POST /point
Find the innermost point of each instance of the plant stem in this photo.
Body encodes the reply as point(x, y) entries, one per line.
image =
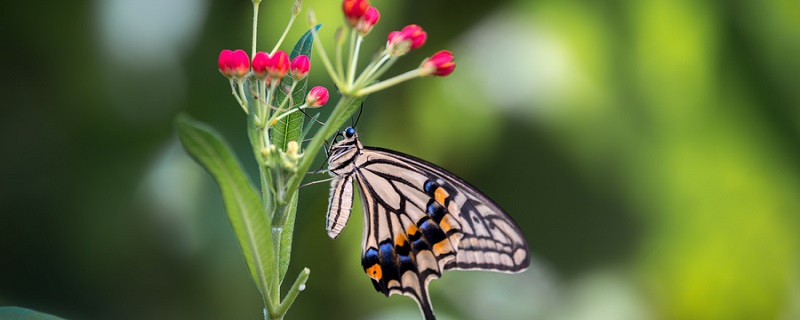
point(235, 95)
point(389, 82)
point(353, 63)
point(346, 106)
point(299, 285)
point(283, 36)
point(324, 57)
point(350, 58)
point(371, 71)
point(256, 3)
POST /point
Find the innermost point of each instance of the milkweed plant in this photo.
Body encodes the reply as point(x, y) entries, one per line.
point(271, 88)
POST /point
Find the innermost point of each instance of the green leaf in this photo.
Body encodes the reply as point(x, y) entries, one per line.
point(288, 129)
point(18, 313)
point(242, 202)
point(286, 237)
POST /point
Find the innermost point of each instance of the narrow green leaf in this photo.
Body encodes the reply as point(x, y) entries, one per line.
point(18, 313)
point(245, 211)
point(286, 237)
point(308, 128)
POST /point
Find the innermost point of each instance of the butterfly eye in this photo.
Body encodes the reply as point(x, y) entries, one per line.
point(349, 132)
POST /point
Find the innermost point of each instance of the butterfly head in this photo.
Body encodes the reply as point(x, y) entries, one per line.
point(344, 151)
point(349, 132)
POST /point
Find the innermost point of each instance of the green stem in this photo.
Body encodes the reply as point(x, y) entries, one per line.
point(338, 55)
point(283, 36)
point(285, 114)
point(389, 82)
point(239, 100)
point(346, 106)
point(353, 63)
point(299, 285)
point(371, 71)
point(256, 3)
point(324, 57)
point(351, 56)
point(263, 278)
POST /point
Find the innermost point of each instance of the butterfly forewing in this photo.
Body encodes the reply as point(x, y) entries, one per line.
point(491, 239)
point(419, 220)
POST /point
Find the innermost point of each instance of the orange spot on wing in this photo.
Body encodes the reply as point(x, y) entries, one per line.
point(441, 247)
point(375, 272)
point(440, 194)
point(412, 229)
point(400, 240)
point(445, 223)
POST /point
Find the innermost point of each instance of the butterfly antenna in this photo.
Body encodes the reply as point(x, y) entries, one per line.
point(327, 156)
point(360, 110)
point(312, 118)
point(321, 165)
point(315, 182)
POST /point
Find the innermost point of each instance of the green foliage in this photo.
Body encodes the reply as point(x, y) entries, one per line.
point(288, 129)
point(263, 224)
point(244, 207)
point(285, 253)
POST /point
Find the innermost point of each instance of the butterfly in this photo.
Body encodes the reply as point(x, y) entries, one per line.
point(419, 220)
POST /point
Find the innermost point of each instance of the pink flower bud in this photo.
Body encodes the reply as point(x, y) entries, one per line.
point(260, 61)
point(439, 64)
point(317, 96)
point(233, 63)
point(369, 20)
point(300, 66)
point(278, 64)
point(409, 38)
point(354, 10)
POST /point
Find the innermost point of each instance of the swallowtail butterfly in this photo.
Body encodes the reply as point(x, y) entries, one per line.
point(419, 220)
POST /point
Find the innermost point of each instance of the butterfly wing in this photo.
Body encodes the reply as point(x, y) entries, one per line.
point(421, 220)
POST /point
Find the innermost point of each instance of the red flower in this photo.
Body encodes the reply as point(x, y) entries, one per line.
point(440, 64)
point(233, 63)
point(317, 96)
point(260, 61)
point(354, 10)
point(278, 65)
point(409, 38)
point(369, 20)
point(300, 66)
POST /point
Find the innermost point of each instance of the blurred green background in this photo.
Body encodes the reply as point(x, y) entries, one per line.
point(650, 151)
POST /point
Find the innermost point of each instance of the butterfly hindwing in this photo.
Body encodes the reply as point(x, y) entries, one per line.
point(419, 221)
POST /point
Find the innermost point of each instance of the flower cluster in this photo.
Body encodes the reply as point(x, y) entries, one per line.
point(360, 18)
point(283, 159)
point(268, 69)
point(265, 76)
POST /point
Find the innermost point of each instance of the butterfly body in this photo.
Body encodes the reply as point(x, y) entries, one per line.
point(419, 220)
